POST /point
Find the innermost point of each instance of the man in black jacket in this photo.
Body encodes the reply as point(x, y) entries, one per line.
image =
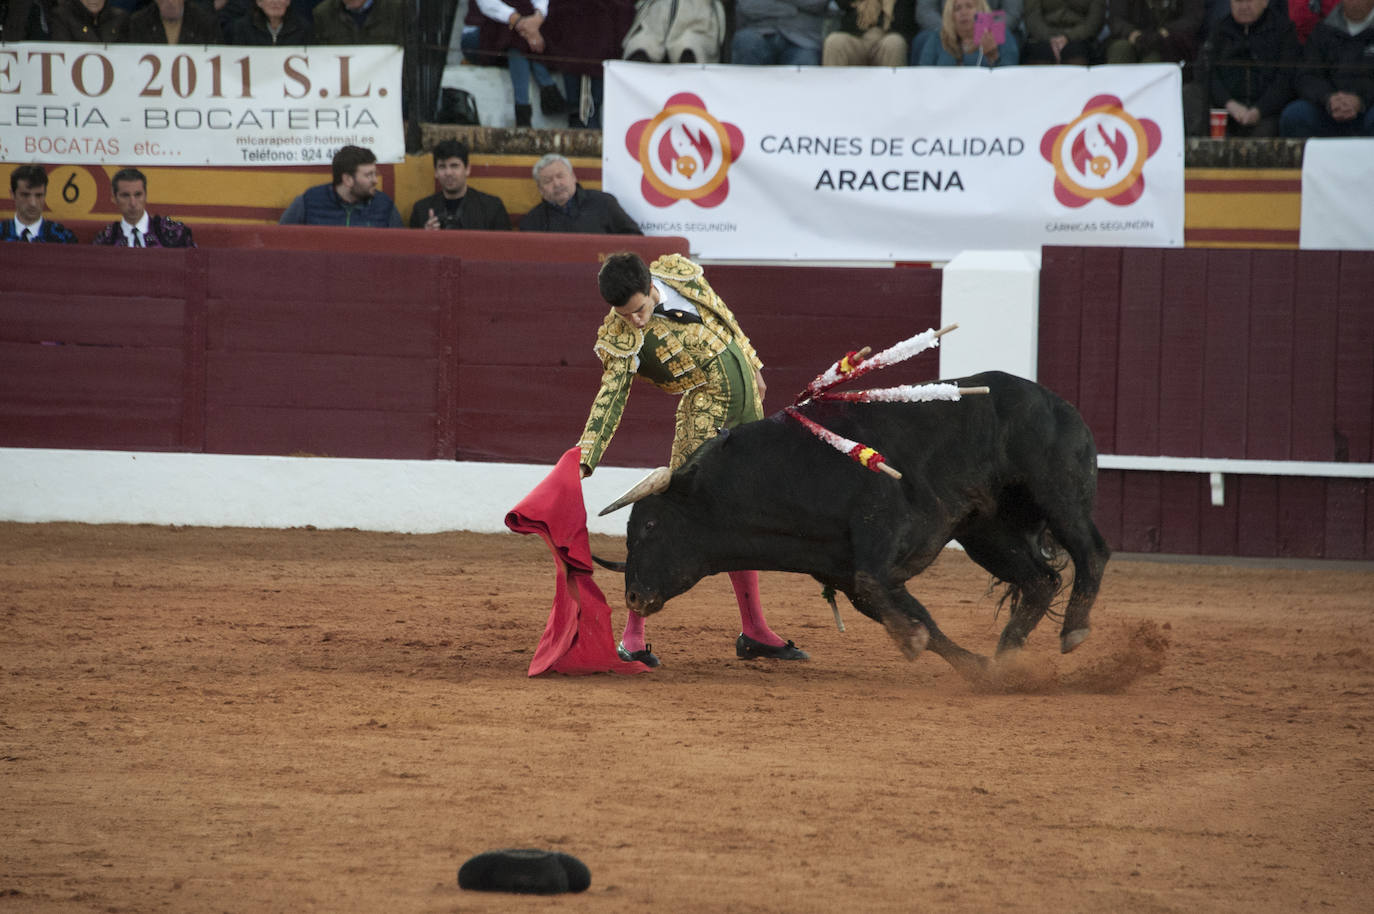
point(1336, 85)
point(172, 22)
point(569, 207)
point(457, 206)
point(1248, 66)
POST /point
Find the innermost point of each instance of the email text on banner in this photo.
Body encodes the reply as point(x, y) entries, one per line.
point(170, 105)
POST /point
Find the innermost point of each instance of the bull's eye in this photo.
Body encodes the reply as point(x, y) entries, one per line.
point(649, 525)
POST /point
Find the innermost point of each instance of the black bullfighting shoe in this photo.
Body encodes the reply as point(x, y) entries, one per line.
point(747, 648)
point(645, 656)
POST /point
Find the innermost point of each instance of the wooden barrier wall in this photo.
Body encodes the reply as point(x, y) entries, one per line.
point(1244, 354)
point(1189, 353)
point(367, 354)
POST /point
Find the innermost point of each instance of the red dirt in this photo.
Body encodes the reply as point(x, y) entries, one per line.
point(239, 720)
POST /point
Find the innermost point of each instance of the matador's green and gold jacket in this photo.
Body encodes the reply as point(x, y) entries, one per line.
point(680, 358)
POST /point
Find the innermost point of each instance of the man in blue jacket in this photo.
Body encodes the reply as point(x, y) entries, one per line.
point(352, 200)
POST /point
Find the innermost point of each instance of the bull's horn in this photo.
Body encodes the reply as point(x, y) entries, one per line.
point(655, 482)
point(607, 563)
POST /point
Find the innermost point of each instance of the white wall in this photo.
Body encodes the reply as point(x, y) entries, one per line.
point(994, 297)
point(39, 485)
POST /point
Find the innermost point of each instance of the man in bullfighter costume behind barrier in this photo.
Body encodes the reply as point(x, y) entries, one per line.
point(668, 326)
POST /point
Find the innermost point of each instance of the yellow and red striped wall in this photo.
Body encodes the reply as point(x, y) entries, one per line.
point(1223, 207)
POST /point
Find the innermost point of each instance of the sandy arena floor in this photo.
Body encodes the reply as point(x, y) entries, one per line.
point(232, 720)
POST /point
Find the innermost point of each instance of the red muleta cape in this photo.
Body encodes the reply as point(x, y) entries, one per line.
point(577, 639)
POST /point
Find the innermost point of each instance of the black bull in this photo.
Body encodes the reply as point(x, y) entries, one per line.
point(993, 471)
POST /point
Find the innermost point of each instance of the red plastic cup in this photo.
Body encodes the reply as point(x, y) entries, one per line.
point(1218, 123)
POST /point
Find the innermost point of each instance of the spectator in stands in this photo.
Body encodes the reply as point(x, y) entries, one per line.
point(515, 31)
point(22, 20)
point(778, 32)
point(137, 229)
point(29, 188)
point(1153, 31)
point(930, 22)
point(1336, 83)
point(271, 22)
point(581, 34)
point(172, 22)
point(959, 44)
point(569, 207)
point(1062, 31)
point(361, 22)
point(872, 33)
point(1247, 67)
point(86, 20)
point(351, 200)
point(457, 206)
point(676, 31)
point(1305, 15)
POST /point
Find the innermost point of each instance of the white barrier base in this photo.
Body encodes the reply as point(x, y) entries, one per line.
point(40, 485)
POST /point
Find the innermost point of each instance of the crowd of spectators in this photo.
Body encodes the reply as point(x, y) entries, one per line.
point(1292, 67)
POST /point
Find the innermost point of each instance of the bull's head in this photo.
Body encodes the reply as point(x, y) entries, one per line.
point(662, 540)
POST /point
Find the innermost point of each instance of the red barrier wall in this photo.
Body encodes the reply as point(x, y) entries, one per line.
point(1214, 353)
point(366, 354)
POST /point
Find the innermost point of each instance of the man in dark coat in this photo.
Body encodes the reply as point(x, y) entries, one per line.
point(1248, 67)
point(1336, 84)
point(360, 22)
point(138, 228)
point(22, 20)
point(457, 206)
point(569, 207)
point(86, 20)
point(172, 22)
point(1151, 31)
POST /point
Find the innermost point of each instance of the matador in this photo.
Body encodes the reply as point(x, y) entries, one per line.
point(668, 326)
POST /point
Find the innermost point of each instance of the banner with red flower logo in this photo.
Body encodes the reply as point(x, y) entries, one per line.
point(913, 163)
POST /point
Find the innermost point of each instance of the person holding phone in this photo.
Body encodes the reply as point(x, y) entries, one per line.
point(971, 35)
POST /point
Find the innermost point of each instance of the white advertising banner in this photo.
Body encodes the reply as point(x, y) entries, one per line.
point(1337, 195)
point(132, 104)
point(913, 163)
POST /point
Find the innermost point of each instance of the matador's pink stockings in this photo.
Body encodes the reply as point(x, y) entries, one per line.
point(752, 622)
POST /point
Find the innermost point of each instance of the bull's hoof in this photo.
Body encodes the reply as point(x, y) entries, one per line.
point(747, 648)
point(911, 638)
point(1070, 640)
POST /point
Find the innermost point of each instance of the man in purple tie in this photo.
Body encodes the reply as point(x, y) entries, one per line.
point(137, 228)
point(29, 187)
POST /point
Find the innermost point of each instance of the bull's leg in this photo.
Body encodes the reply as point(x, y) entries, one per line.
point(1089, 552)
point(909, 624)
point(1013, 555)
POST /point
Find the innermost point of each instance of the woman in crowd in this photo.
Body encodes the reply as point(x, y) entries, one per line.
point(958, 46)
